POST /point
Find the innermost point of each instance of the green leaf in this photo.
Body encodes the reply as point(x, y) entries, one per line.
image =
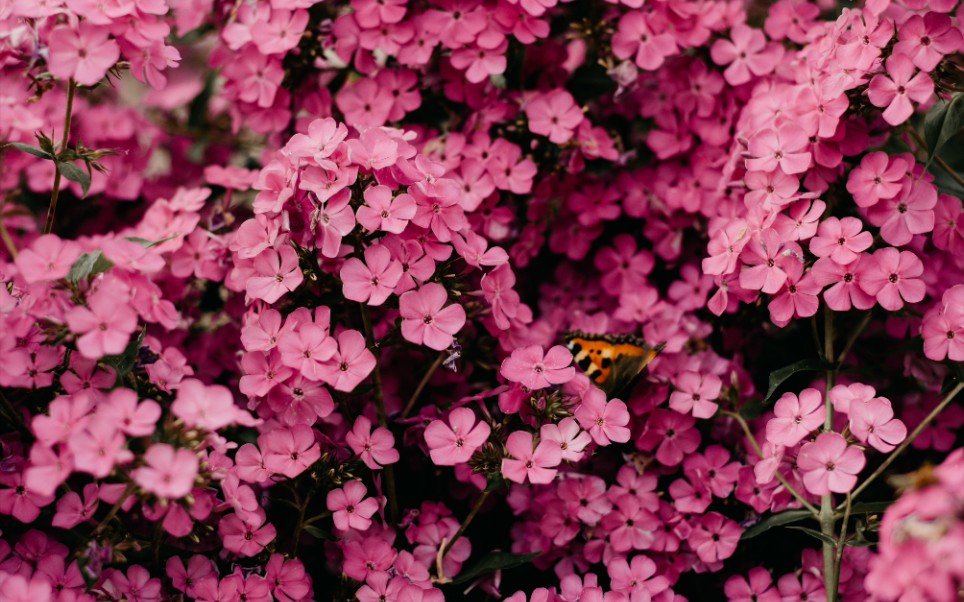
point(75, 174)
point(815, 534)
point(495, 561)
point(775, 520)
point(942, 123)
point(125, 362)
point(88, 264)
point(318, 533)
point(777, 377)
point(30, 150)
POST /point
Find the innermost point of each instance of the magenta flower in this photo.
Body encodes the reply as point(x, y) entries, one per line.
point(671, 434)
point(764, 260)
point(84, 53)
point(604, 420)
point(746, 54)
point(637, 38)
point(910, 212)
point(351, 364)
point(533, 370)
point(169, 472)
point(637, 579)
point(571, 439)
point(926, 39)
point(844, 280)
point(758, 588)
point(879, 176)
point(631, 526)
point(306, 349)
point(290, 451)
point(425, 322)
point(829, 465)
point(207, 407)
point(105, 325)
point(842, 240)
point(385, 212)
point(47, 258)
point(894, 278)
point(244, 538)
point(785, 148)
point(376, 448)
point(373, 280)
point(554, 114)
point(525, 462)
point(795, 418)
point(873, 422)
point(276, 272)
point(943, 334)
point(350, 508)
point(455, 442)
point(898, 87)
point(714, 537)
point(696, 393)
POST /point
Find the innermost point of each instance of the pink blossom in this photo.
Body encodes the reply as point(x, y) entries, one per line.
point(533, 370)
point(879, 176)
point(83, 53)
point(373, 280)
point(47, 258)
point(696, 393)
point(530, 461)
point(351, 364)
point(455, 442)
point(290, 451)
point(553, 114)
point(375, 448)
point(926, 39)
point(604, 420)
point(644, 41)
point(746, 55)
point(276, 272)
point(893, 278)
point(105, 325)
point(714, 537)
point(426, 320)
point(385, 212)
point(168, 473)
point(873, 422)
point(784, 148)
point(898, 87)
point(350, 508)
point(842, 240)
point(795, 418)
point(829, 464)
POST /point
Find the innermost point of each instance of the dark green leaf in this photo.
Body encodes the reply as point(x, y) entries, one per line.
point(147, 244)
point(815, 534)
point(125, 362)
point(31, 150)
point(495, 561)
point(75, 174)
point(942, 123)
point(88, 264)
point(777, 377)
point(775, 520)
point(318, 533)
point(45, 143)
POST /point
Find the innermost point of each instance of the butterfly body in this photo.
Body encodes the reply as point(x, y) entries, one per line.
point(612, 362)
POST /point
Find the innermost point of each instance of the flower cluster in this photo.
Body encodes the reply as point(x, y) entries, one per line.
point(525, 299)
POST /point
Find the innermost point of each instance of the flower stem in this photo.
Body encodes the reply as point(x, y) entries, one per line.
point(422, 384)
point(826, 501)
point(389, 471)
point(55, 193)
point(759, 452)
point(841, 542)
point(448, 543)
point(910, 439)
point(7, 240)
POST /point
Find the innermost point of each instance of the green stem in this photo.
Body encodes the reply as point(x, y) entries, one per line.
point(389, 471)
point(826, 501)
point(759, 452)
point(853, 338)
point(55, 193)
point(841, 543)
point(950, 171)
point(422, 384)
point(465, 524)
point(910, 439)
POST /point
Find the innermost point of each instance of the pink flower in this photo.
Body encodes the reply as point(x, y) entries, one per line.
point(873, 422)
point(647, 42)
point(879, 176)
point(351, 364)
point(455, 442)
point(47, 258)
point(842, 240)
point(764, 259)
point(350, 508)
point(533, 370)
point(243, 538)
point(926, 39)
point(385, 212)
point(84, 54)
point(747, 55)
point(845, 291)
point(714, 537)
point(829, 464)
point(307, 349)
point(784, 148)
point(290, 451)
point(207, 407)
point(795, 418)
point(604, 420)
point(425, 322)
point(571, 439)
point(696, 393)
point(373, 280)
point(894, 278)
point(276, 272)
point(105, 325)
point(169, 472)
point(758, 588)
point(637, 579)
point(909, 212)
point(671, 434)
point(375, 448)
point(942, 329)
point(525, 462)
point(554, 114)
point(898, 87)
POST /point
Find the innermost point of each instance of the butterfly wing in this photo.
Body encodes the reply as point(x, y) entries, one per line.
point(612, 363)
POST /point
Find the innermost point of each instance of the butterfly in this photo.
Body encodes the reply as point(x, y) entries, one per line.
point(612, 362)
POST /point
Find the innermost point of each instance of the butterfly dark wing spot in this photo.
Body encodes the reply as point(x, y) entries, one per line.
point(606, 362)
point(585, 363)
